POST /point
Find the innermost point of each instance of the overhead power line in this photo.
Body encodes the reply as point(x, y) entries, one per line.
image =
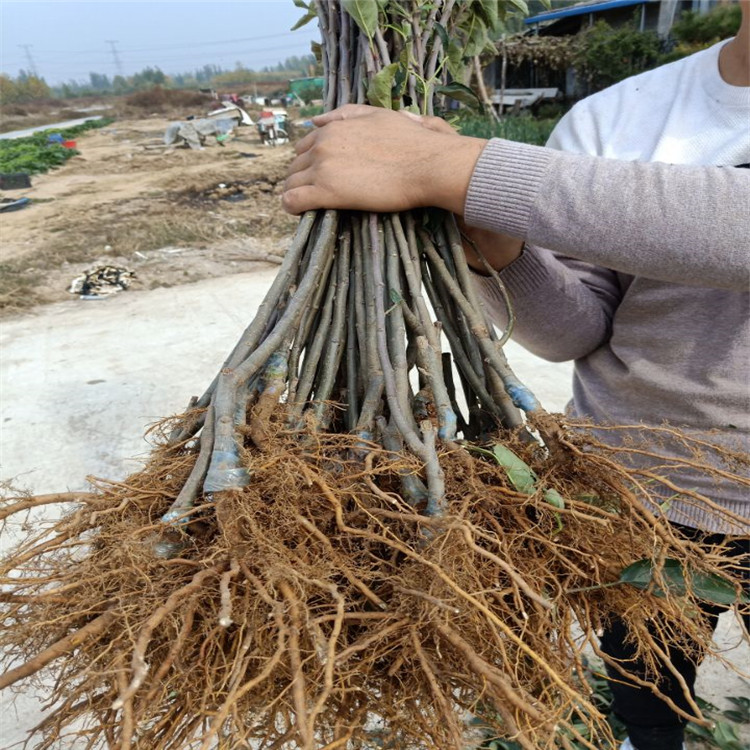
point(181, 45)
point(187, 57)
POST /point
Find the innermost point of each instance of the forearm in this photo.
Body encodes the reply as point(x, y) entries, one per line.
point(686, 225)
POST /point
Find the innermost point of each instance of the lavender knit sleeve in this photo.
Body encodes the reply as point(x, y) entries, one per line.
point(681, 224)
point(563, 310)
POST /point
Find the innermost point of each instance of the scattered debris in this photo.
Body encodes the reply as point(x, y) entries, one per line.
point(231, 111)
point(101, 281)
point(195, 132)
point(235, 191)
point(13, 204)
point(15, 180)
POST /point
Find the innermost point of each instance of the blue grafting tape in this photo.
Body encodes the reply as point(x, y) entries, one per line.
point(448, 424)
point(521, 396)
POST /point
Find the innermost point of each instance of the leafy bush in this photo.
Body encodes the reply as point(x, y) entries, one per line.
point(606, 55)
point(721, 22)
point(694, 32)
point(24, 88)
point(157, 98)
point(33, 154)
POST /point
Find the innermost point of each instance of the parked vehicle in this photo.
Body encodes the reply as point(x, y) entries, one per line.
point(273, 126)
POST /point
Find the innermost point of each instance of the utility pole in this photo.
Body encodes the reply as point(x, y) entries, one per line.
point(115, 55)
point(30, 59)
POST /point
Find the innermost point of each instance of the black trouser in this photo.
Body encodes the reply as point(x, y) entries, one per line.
point(651, 723)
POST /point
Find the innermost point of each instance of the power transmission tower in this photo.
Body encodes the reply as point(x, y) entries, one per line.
point(115, 55)
point(29, 58)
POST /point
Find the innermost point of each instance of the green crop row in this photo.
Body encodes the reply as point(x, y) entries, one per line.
point(33, 154)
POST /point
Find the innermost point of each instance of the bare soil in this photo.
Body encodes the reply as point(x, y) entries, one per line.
point(172, 215)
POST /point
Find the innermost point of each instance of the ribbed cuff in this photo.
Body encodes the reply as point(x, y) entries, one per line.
point(525, 275)
point(504, 186)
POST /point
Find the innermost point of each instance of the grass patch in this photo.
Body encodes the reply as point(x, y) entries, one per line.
point(21, 278)
point(523, 128)
point(17, 287)
point(25, 281)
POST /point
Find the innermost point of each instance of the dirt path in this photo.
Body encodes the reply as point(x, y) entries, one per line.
point(128, 201)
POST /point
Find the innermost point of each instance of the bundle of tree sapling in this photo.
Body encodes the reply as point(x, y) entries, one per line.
point(367, 530)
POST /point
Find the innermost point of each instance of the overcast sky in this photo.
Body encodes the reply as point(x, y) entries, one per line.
point(69, 39)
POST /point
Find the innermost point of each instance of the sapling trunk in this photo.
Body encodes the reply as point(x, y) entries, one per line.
point(355, 535)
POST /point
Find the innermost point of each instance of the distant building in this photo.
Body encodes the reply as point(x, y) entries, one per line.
point(658, 16)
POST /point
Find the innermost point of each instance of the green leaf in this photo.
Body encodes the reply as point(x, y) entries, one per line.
point(737, 716)
point(380, 90)
point(396, 298)
point(301, 4)
point(460, 93)
point(554, 498)
point(402, 74)
point(521, 5)
point(705, 706)
point(519, 473)
point(398, 9)
point(638, 574)
point(743, 709)
point(476, 36)
point(488, 12)
point(443, 34)
point(725, 735)
point(704, 586)
point(364, 13)
point(455, 60)
point(305, 19)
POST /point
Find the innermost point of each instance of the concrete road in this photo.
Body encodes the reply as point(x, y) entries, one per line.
point(52, 126)
point(81, 380)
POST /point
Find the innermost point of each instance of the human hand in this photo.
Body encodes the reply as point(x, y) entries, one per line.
point(372, 159)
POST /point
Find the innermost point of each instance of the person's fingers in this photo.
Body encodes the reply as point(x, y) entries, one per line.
point(347, 112)
point(301, 162)
point(304, 144)
point(298, 179)
point(300, 199)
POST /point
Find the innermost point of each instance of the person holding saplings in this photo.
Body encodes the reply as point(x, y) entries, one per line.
point(623, 246)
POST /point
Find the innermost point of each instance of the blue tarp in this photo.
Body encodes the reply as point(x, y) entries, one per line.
point(579, 10)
